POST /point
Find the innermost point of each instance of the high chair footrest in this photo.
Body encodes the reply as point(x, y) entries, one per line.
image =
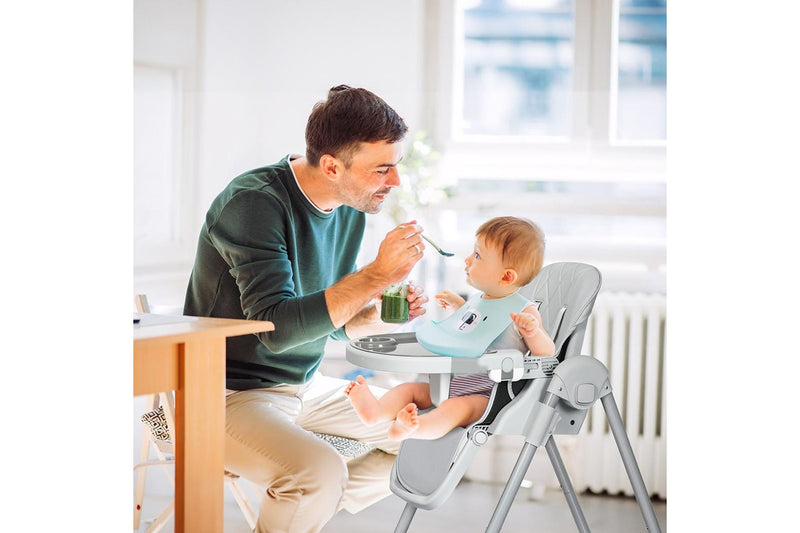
point(423, 464)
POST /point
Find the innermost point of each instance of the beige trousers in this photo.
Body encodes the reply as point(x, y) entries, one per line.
point(269, 442)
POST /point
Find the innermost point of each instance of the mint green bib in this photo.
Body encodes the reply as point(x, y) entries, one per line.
point(472, 328)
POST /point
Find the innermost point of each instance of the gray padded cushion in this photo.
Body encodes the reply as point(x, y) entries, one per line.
point(422, 465)
point(574, 285)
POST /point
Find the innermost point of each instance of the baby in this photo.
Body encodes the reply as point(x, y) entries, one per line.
point(508, 254)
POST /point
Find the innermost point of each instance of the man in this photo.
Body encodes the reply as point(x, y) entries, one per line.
point(280, 244)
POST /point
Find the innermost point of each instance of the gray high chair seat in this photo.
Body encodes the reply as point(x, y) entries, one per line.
point(537, 398)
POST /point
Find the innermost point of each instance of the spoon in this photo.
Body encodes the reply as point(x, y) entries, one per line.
point(446, 254)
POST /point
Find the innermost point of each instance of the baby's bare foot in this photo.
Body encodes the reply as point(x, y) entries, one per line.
point(405, 423)
point(364, 402)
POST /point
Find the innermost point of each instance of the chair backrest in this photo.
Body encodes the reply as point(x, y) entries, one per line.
point(142, 305)
point(567, 292)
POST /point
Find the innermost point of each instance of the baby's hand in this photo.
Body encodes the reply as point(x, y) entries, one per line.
point(527, 324)
point(448, 300)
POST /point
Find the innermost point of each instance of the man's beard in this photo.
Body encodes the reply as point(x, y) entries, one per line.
point(358, 200)
point(372, 205)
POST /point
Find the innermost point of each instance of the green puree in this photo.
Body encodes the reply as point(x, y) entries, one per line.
point(394, 304)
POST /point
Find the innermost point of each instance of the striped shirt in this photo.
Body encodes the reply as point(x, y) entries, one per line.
point(481, 384)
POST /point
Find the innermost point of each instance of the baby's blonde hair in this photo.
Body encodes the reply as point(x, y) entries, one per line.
point(520, 243)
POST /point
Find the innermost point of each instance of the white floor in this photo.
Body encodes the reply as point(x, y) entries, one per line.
point(469, 509)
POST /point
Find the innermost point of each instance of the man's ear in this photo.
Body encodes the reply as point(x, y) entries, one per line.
point(509, 276)
point(331, 167)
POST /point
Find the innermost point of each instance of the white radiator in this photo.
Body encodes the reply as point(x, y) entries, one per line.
point(627, 333)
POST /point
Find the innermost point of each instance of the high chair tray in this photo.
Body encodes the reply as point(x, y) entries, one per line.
point(400, 352)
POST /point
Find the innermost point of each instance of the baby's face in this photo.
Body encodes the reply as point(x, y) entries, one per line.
point(484, 267)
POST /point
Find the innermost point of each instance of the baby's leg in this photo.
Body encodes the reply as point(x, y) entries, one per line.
point(405, 423)
point(372, 410)
point(451, 413)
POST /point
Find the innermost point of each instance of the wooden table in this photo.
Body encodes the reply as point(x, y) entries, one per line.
point(187, 355)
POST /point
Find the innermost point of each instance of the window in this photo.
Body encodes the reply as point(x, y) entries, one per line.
point(555, 110)
point(641, 97)
point(581, 71)
point(521, 56)
point(156, 165)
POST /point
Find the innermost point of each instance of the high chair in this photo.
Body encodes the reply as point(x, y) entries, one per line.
point(536, 397)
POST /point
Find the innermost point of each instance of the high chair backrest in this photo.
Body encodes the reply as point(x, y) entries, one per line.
point(567, 292)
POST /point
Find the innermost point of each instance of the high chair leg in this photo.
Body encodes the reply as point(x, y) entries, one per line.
point(566, 485)
point(405, 518)
point(512, 486)
point(629, 460)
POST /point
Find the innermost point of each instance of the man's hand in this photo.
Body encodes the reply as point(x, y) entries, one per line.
point(368, 321)
point(416, 299)
point(399, 251)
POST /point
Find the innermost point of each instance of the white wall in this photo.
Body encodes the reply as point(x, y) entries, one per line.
point(258, 68)
point(267, 63)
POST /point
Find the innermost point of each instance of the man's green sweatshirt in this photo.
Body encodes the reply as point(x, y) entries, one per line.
point(265, 252)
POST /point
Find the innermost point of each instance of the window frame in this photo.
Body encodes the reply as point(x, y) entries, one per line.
point(171, 46)
point(590, 153)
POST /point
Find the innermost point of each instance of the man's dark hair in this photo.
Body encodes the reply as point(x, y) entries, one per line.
point(348, 117)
